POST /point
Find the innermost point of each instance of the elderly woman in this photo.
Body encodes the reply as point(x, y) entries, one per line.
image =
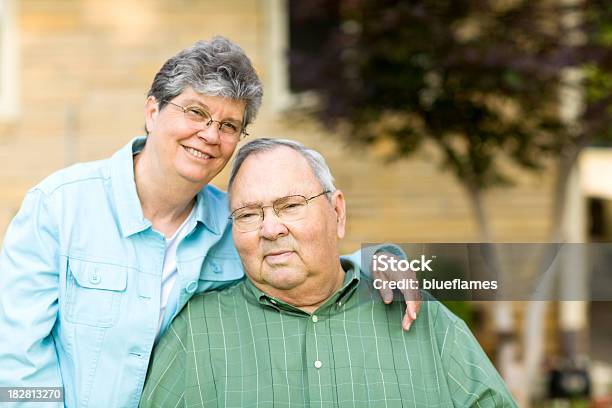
point(103, 255)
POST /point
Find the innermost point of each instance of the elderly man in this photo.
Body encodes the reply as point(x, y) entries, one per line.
point(305, 329)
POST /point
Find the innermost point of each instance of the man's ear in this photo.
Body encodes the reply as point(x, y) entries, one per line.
point(151, 112)
point(339, 206)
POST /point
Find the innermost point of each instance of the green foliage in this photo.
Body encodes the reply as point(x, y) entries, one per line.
point(478, 78)
point(463, 309)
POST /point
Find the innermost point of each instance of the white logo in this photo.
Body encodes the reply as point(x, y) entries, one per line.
point(384, 263)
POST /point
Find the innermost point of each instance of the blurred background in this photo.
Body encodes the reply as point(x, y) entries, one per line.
point(442, 121)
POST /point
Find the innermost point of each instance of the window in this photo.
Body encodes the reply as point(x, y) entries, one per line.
point(9, 59)
point(311, 24)
point(295, 29)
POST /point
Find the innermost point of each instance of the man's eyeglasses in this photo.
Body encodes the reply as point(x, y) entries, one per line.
point(197, 116)
point(290, 208)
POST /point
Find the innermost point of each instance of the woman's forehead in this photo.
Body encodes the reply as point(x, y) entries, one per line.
point(191, 96)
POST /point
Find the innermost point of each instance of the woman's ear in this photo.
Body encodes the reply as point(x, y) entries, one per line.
point(151, 112)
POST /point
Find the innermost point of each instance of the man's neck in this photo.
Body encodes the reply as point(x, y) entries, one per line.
point(312, 293)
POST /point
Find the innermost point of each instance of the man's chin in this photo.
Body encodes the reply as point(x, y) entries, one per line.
point(284, 278)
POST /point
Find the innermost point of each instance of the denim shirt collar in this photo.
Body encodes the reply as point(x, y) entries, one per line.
point(129, 210)
point(207, 214)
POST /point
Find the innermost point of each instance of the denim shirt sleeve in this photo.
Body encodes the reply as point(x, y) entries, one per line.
point(29, 297)
point(367, 252)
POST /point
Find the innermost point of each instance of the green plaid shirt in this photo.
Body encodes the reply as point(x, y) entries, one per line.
point(242, 348)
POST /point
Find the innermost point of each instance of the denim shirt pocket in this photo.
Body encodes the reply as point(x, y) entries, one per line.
point(93, 294)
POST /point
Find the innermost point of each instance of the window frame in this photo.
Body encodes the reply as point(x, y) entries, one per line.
point(279, 95)
point(276, 14)
point(9, 72)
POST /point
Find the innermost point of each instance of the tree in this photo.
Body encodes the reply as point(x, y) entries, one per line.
point(478, 78)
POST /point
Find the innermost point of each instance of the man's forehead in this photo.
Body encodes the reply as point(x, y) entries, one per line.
point(269, 175)
point(279, 164)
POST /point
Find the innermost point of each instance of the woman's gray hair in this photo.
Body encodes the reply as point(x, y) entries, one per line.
point(215, 68)
point(315, 160)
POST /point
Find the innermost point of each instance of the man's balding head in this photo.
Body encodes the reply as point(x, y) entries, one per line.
point(293, 252)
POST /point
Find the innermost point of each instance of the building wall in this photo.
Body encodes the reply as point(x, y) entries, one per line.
point(85, 68)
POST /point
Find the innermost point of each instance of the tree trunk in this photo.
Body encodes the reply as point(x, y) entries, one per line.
point(507, 347)
point(533, 336)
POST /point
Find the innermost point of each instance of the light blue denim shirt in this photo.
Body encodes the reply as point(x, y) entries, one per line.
point(80, 281)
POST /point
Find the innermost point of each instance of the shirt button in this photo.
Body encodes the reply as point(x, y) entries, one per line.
point(315, 318)
point(94, 276)
point(318, 364)
point(191, 287)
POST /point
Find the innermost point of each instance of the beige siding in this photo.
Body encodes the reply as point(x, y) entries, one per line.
point(86, 67)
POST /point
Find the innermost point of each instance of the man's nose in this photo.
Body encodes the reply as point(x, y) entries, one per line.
point(272, 227)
